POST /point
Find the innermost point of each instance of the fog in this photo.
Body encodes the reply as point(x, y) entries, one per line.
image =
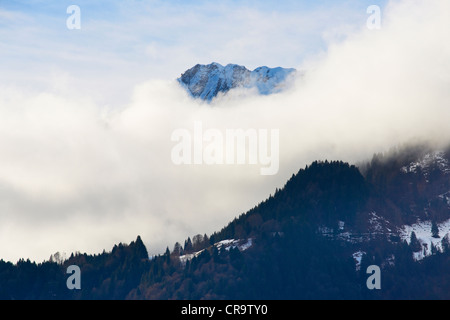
point(76, 176)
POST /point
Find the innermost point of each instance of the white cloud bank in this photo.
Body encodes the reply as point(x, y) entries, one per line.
point(74, 176)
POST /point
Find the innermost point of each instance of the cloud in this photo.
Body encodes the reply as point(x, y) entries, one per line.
point(76, 175)
point(121, 44)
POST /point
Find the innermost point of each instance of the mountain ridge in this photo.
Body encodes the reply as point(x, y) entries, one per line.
point(208, 81)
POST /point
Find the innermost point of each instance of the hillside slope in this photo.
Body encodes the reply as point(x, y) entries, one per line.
point(312, 239)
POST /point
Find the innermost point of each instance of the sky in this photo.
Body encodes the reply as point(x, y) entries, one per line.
point(128, 42)
point(86, 116)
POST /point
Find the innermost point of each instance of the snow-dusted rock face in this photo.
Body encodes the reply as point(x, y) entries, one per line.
point(207, 81)
point(431, 160)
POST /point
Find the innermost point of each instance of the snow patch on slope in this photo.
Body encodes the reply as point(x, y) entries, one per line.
point(357, 256)
point(378, 226)
point(424, 235)
point(227, 245)
point(188, 257)
point(242, 245)
point(427, 162)
point(446, 197)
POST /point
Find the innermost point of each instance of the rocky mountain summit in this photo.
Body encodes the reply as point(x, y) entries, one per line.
point(207, 81)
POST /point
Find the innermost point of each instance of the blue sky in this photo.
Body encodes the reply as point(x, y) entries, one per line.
point(128, 42)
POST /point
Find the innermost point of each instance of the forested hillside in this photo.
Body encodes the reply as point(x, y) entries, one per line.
point(312, 239)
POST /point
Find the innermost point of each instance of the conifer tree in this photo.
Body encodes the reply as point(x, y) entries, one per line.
point(188, 246)
point(446, 243)
point(140, 249)
point(435, 230)
point(167, 255)
point(415, 244)
point(178, 249)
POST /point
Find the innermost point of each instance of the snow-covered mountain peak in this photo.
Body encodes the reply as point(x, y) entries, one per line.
point(207, 81)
